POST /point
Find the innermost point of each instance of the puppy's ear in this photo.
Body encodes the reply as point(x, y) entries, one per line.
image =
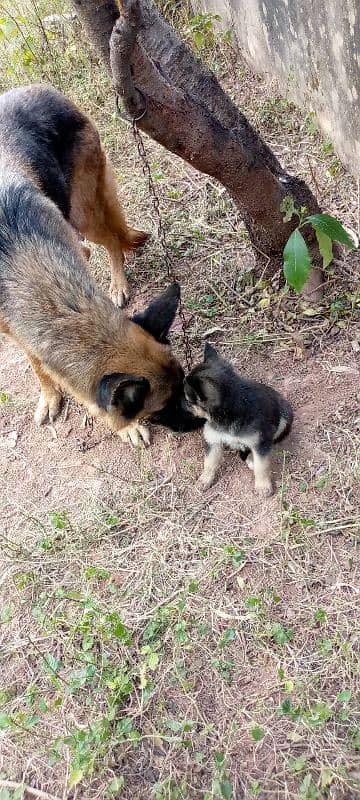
point(159, 316)
point(190, 392)
point(122, 392)
point(210, 354)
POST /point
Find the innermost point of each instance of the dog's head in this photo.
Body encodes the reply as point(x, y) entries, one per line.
point(153, 387)
point(205, 388)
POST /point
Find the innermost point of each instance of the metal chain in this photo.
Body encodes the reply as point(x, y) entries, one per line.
point(169, 263)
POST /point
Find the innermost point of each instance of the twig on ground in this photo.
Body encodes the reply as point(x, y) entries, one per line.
point(29, 789)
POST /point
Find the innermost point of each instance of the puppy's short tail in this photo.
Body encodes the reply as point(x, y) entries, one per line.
point(286, 421)
point(132, 239)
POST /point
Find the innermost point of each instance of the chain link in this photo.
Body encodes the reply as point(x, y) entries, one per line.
point(169, 263)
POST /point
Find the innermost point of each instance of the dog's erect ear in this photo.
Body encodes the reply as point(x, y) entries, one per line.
point(190, 392)
point(122, 392)
point(210, 354)
point(158, 317)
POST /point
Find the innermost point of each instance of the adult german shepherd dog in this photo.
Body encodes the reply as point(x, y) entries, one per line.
point(55, 181)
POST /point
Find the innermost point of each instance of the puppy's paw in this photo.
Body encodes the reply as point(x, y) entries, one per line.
point(120, 291)
point(264, 487)
point(48, 407)
point(206, 480)
point(135, 435)
point(250, 461)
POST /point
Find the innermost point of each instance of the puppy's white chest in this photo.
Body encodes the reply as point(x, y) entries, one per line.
point(235, 441)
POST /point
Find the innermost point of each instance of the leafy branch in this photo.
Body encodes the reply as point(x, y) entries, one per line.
point(297, 258)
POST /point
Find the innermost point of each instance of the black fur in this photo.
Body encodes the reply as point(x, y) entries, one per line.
point(234, 403)
point(26, 215)
point(123, 392)
point(159, 316)
point(242, 414)
point(43, 127)
point(177, 416)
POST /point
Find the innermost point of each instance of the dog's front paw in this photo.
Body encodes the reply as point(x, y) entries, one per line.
point(206, 480)
point(135, 435)
point(264, 487)
point(120, 291)
point(48, 407)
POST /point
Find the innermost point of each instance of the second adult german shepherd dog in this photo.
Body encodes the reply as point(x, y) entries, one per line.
point(54, 181)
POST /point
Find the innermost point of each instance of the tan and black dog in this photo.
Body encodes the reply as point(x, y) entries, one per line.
point(54, 178)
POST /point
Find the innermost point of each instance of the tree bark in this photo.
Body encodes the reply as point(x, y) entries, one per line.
point(187, 111)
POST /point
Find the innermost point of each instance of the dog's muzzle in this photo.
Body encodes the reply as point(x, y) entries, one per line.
point(177, 416)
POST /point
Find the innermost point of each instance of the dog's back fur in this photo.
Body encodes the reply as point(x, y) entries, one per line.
point(39, 132)
point(74, 336)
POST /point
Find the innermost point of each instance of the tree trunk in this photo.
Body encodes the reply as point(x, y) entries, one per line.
point(187, 111)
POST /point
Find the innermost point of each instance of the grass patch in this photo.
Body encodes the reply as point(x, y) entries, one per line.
point(155, 643)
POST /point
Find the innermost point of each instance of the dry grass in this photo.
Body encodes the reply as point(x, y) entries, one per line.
point(157, 644)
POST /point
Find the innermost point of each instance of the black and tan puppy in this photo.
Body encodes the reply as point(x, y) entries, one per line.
point(239, 413)
point(53, 173)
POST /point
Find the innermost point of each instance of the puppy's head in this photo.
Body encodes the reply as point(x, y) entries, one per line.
point(205, 386)
point(150, 383)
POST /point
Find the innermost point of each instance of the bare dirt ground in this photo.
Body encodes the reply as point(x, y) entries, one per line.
point(161, 642)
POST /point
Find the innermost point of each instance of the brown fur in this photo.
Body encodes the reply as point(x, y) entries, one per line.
point(71, 332)
point(96, 211)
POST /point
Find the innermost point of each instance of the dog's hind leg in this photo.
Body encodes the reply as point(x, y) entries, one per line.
point(259, 460)
point(96, 209)
point(50, 396)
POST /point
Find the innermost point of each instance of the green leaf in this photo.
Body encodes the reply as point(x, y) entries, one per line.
point(199, 39)
point(5, 721)
point(226, 789)
point(344, 696)
point(238, 558)
point(280, 635)
point(125, 727)
point(325, 247)
point(32, 720)
point(285, 707)
point(228, 636)
point(297, 764)
point(174, 725)
point(76, 775)
point(317, 715)
point(117, 784)
point(287, 207)
point(6, 614)
point(180, 632)
point(153, 660)
point(59, 520)
point(308, 790)
point(297, 261)
point(332, 228)
point(111, 520)
point(219, 760)
point(52, 664)
point(257, 733)
point(4, 794)
point(252, 602)
point(320, 615)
